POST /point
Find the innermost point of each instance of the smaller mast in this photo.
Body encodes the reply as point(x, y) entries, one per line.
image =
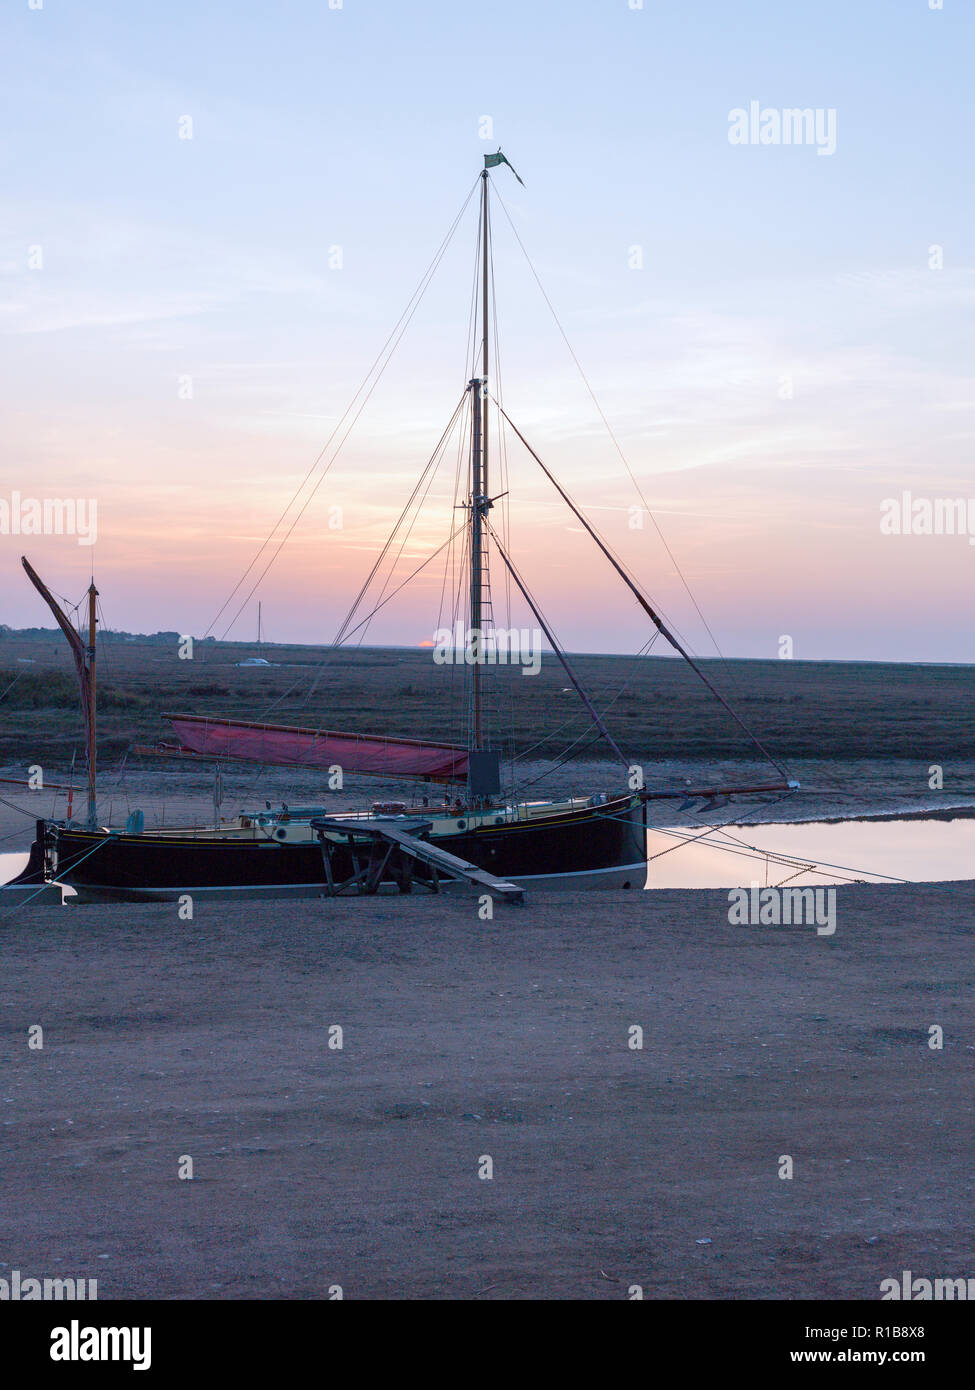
point(91, 745)
point(84, 660)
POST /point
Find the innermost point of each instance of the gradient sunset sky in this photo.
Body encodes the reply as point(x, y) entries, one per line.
point(784, 361)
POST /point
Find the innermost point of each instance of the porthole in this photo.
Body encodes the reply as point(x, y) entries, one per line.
point(281, 834)
point(462, 825)
point(627, 884)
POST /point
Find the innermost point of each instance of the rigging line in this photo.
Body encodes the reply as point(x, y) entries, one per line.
point(348, 618)
point(68, 605)
point(608, 550)
point(736, 839)
point(738, 818)
point(31, 815)
point(17, 677)
point(307, 502)
point(434, 468)
point(780, 857)
point(555, 646)
point(685, 838)
point(449, 558)
point(519, 788)
point(756, 853)
point(505, 501)
point(474, 343)
point(397, 334)
point(15, 835)
point(707, 830)
point(454, 565)
point(562, 760)
point(806, 869)
point(644, 650)
point(609, 428)
point(392, 569)
point(457, 471)
point(502, 443)
point(646, 606)
point(369, 616)
point(340, 635)
point(458, 674)
point(799, 867)
point(105, 651)
point(73, 864)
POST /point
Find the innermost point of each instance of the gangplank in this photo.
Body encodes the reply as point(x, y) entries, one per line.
point(383, 850)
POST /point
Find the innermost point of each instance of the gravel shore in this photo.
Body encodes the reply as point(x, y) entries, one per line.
point(465, 1040)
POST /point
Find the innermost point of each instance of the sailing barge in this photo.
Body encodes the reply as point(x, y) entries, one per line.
point(584, 841)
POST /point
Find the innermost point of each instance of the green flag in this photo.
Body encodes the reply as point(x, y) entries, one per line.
point(490, 160)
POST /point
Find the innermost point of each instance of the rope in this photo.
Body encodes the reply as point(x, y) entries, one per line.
point(5, 693)
point(564, 757)
point(73, 865)
point(644, 602)
point(609, 428)
point(753, 851)
point(555, 646)
point(369, 616)
point(29, 814)
point(394, 338)
point(430, 465)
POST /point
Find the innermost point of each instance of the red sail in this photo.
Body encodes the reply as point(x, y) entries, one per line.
point(282, 745)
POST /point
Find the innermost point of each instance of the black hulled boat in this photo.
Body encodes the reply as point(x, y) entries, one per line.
point(589, 841)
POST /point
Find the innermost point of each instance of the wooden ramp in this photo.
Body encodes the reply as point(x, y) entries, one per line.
point(392, 849)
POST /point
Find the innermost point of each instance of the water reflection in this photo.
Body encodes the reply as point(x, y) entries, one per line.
point(868, 851)
point(11, 865)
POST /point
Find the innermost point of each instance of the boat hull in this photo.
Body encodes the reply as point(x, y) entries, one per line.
point(592, 847)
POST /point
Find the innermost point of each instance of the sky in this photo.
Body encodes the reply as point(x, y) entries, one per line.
point(214, 214)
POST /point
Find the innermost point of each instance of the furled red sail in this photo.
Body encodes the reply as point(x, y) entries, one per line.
point(285, 746)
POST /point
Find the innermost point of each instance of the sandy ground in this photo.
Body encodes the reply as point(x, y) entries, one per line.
point(509, 1039)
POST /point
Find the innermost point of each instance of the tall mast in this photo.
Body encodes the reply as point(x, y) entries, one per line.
point(92, 638)
point(479, 483)
point(484, 325)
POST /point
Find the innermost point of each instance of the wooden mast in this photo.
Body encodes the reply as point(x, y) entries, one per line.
point(479, 485)
point(84, 659)
point(484, 330)
point(90, 739)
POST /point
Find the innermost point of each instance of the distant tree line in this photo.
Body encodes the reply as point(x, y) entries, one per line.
point(30, 634)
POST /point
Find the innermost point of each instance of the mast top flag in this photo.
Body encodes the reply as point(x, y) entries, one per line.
point(491, 160)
